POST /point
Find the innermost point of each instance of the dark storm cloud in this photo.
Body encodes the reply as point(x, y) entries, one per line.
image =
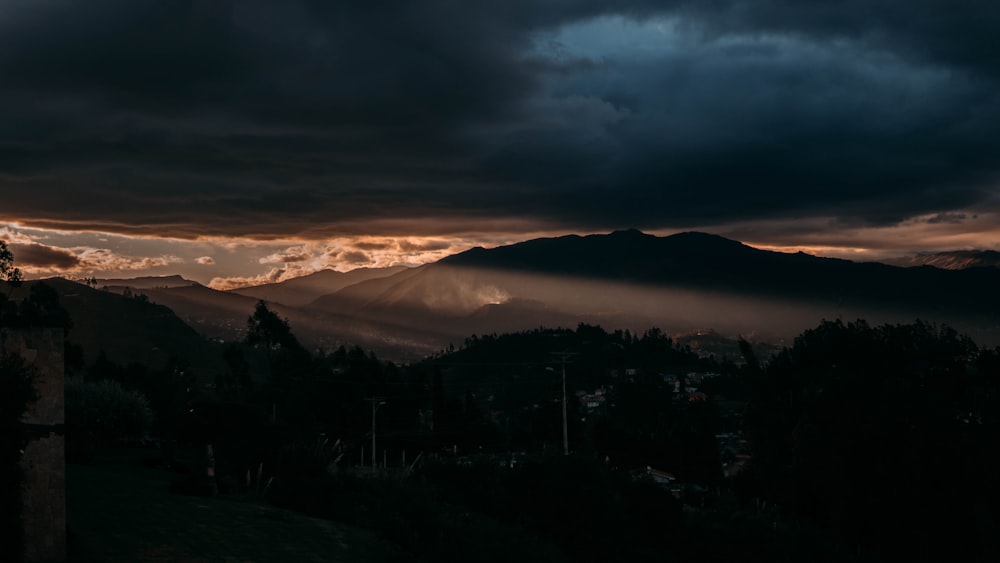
point(263, 118)
point(950, 218)
point(41, 256)
point(411, 246)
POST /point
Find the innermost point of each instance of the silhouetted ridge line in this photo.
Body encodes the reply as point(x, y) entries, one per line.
point(710, 262)
point(628, 254)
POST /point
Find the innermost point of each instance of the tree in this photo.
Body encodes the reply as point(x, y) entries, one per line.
point(266, 329)
point(855, 427)
point(287, 360)
point(104, 413)
point(8, 272)
point(12, 276)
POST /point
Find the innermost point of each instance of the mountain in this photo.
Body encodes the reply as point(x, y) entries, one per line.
point(634, 280)
point(702, 262)
point(625, 279)
point(222, 315)
point(128, 330)
point(952, 260)
point(146, 282)
point(214, 314)
point(300, 291)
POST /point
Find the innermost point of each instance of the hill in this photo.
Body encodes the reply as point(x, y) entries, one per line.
point(300, 291)
point(127, 330)
point(222, 315)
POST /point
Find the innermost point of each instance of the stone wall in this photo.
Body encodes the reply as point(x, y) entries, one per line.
point(44, 459)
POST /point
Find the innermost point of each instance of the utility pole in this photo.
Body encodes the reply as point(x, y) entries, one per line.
point(565, 429)
point(376, 403)
point(562, 356)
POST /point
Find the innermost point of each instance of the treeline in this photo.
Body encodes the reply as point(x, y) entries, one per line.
point(883, 434)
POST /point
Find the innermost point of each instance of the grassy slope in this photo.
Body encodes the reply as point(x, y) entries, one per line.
point(121, 510)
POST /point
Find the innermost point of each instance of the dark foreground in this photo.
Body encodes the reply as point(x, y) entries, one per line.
point(120, 509)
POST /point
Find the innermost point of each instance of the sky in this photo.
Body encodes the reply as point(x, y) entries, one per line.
point(240, 142)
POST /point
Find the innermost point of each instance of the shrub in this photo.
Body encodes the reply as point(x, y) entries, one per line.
point(104, 414)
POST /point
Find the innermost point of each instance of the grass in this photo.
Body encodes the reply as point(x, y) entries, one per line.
point(120, 509)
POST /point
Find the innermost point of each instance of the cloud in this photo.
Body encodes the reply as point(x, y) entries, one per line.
point(859, 241)
point(104, 259)
point(34, 255)
point(315, 120)
point(954, 218)
point(354, 257)
point(205, 260)
point(374, 245)
point(37, 257)
point(286, 257)
point(403, 244)
point(235, 282)
point(424, 245)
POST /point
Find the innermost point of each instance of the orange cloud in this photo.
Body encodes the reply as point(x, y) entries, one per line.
point(354, 257)
point(236, 282)
point(105, 259)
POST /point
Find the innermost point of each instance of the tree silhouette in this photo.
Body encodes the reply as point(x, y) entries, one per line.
point(267, 330)
point(287, 360)
point(8, 272)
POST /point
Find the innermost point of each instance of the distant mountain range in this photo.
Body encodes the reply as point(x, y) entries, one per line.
point(147, 282)
point(953, 260)
point(625, 279)
point(300, 291)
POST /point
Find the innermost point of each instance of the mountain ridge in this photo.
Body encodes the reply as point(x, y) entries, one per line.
point(949, 260)
point(302, 290)
point(624, 279)
point(627, 278)
point(127, 330)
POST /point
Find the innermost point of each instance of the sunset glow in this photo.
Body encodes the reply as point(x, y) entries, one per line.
point(231, 262)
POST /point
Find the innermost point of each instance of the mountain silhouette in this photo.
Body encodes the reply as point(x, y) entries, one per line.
point(128, 330)
point(711, 262)
point(146, 282)
point(685, 280)
point(950, 260)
